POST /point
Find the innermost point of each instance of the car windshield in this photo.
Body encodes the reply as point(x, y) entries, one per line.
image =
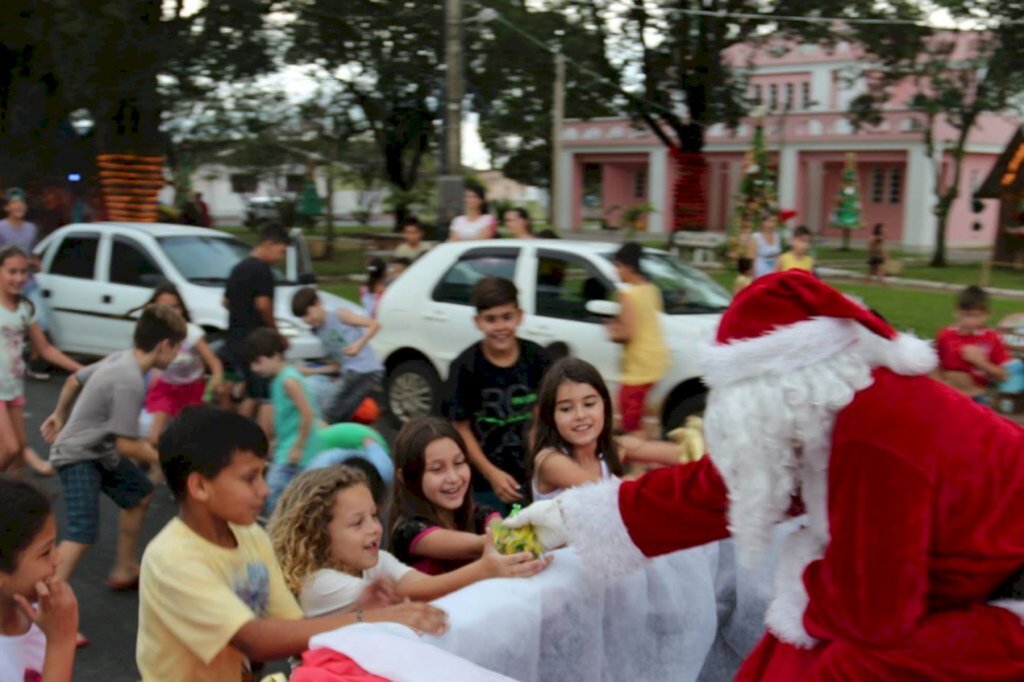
point(208, 260)
point(684, 290)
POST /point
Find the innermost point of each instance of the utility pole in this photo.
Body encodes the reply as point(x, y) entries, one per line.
point(557, 117)
point(450, 183)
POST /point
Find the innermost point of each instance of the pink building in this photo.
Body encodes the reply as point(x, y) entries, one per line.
point(608, 164)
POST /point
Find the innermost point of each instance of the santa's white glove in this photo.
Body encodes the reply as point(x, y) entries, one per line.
point(548, 524)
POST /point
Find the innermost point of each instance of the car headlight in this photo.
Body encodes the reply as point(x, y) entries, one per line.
point(288, 328)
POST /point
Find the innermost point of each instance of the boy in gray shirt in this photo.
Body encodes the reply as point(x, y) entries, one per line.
point(91, 448)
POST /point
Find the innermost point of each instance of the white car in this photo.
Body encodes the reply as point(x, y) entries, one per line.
point(93, 274)
point(565, 288)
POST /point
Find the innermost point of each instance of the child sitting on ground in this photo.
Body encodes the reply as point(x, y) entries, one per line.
point(346, 336)
point(327, 535)
point(971, 356)
point(798, 257)
point(38, 611)
point(437, 526)
point(212, 596)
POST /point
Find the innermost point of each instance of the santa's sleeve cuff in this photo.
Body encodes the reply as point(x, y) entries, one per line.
point(597, 532)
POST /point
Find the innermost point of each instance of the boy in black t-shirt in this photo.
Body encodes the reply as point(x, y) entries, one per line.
point(249, 298)
point(493, 393)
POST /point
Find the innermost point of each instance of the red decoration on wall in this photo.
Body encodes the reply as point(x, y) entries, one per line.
point(689, 202)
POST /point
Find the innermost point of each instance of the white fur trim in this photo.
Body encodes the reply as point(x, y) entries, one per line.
point(596, 530)
point(785, 616)
point(1013, 605)
point(807, 343)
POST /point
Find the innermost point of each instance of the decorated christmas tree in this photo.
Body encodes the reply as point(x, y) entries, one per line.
point(848, 215)
point(758, 196)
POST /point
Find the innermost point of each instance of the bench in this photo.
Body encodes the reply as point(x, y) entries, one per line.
point(702, 245)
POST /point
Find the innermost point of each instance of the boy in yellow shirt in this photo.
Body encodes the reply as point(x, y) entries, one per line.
point(212, 599)
point(798, 257)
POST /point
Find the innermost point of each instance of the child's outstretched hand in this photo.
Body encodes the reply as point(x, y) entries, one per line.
point(421, 617)
point(56, 613)
point(519, 565)
point(546, 518)
point(378, 594)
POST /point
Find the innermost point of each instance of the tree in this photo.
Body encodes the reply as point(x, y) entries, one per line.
point(510, 80)
point(680, 52)
point(848, 216)
point(758, 196)
point(956, 78)
point(384, 58)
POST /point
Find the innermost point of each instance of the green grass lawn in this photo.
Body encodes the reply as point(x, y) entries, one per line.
point(349, 290)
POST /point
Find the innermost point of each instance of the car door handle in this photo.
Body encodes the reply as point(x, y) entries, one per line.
point(435, 317)
point(46, 293)
point(107, 298)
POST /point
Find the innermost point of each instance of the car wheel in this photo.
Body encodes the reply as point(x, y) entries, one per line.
point(691, 405)
point(413, 390)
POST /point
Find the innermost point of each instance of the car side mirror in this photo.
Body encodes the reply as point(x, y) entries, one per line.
point(603, 308)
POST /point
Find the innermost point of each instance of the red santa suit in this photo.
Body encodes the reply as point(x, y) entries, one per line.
point(914, 501)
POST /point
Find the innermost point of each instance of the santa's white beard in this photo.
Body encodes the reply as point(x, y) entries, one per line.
point(770, 436)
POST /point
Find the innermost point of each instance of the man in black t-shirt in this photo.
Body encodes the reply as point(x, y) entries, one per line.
point(492, 395)
point(249, 298)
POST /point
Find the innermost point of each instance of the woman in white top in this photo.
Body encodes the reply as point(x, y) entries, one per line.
point(476, 222)
point(765, 247)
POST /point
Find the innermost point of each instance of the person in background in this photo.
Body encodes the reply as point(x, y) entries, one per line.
point(765, 246)
point(745, 270)
point(876, 253)
point(203, 211)
point(376, 284)
point(397, 267)
point(476, 222)
point(971, 355)
point(412, 246)
point(638, 328)
point(798, 257)
point(517, 222)
point(14, 229)
point(249, 298)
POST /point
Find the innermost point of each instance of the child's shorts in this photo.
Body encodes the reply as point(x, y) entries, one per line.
point(13, 402)
point(631, 405)
point(173, 398)
point(124, 483)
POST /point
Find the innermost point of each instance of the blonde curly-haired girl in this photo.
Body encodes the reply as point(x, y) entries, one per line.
point(326, 534)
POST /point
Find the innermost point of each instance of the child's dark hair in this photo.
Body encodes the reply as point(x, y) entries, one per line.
point(163, 289)
point(547, 435)
point(264, 343)
point(401, 260)
point(203, 439)
point(479, 191)
point(10, 251)
point(629, 255)
point(972, 298)
point(412, 221)
point(744, 265)
point(801, 231)
point(158, 323)
point(304, 299)
point(491, 292)
point(26, 509)
point(275, 234)
point(410, 463)
point(878, 230)
point(525, 215)
point(376, 271)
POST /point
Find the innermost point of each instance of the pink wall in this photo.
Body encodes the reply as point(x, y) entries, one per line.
point(618, 189)
point(960, 230)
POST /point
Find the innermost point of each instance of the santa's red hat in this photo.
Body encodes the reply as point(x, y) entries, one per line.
point(787, 320)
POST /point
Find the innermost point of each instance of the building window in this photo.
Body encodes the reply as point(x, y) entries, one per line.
point(640, 184)
point(755, 94)
point(805, 95)
point(877, 185)
point(789, 96)
point(896, 186)
point(773, 97)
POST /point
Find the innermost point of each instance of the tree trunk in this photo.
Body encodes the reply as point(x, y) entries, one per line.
point(846, 240)
point(941, 221)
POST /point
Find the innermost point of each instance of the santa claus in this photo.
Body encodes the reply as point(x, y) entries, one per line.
point(914, 496)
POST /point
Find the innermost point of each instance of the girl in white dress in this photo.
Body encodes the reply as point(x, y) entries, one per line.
point(476, 222)
point(765, 247)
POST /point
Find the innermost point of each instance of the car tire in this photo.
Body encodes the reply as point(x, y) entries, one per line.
point(688, 406)
point(413, 390)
